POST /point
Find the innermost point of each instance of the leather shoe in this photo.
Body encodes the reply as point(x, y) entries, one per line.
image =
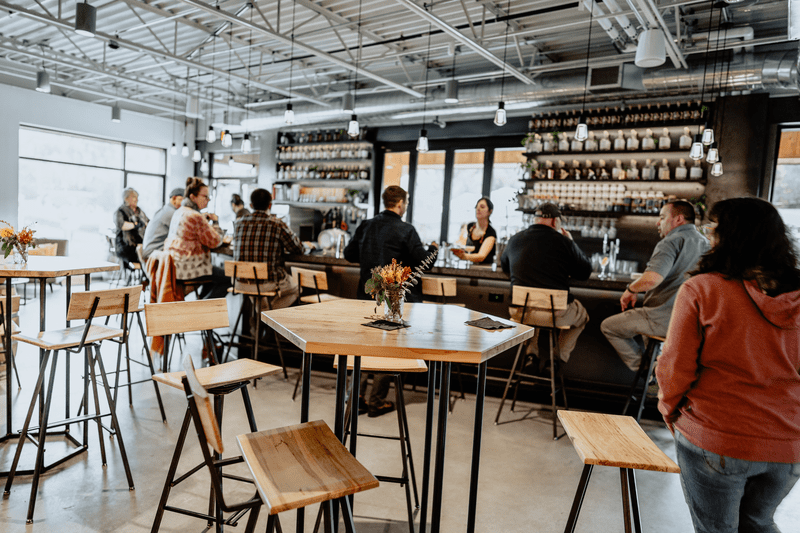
point(378, 410)
point(362, 405)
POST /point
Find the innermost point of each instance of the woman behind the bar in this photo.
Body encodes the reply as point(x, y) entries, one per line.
point(479, 234)
point(729, 372)
point(192, 236)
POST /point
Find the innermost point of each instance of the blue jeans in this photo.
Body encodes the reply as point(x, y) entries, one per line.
point(727, 495)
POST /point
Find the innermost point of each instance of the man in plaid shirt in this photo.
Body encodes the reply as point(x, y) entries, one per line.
point(263, 238)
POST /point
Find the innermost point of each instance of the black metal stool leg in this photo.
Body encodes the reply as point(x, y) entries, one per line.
point(634, 497)
point(403, 452)
point(152, 369)
point(626, 500)
point(648, 352)
point(578, 501)
point(91, 375)
point(408, 443)
point(173, 468)
point(647, 375)
point(508, 384)
point(233, 333)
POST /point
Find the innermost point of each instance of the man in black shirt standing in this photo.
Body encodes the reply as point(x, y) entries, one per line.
point(544, 256)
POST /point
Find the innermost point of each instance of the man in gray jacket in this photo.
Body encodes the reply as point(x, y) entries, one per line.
point(157, 230)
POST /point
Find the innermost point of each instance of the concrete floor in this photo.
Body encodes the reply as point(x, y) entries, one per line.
point(527, 481)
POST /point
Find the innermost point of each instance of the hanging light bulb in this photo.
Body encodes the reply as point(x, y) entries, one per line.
point(500, 114)
point(204, 166)
point(211, 135)
point(422, 142)
point(713, 153)
point(582, 131)
point(353, 129)
point(716, 168)
point(173, 150)
point(696, 152)
point(197, 156)
point(247, 146)
point(227, 140)
point(708, 136)
point(185, 150)
point(288, 115)
point(231, 161)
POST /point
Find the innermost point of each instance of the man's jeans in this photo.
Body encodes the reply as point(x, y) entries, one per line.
point(624, 331)
point(727, 495)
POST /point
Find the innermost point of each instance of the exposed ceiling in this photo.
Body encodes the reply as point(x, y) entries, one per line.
point(246, 60)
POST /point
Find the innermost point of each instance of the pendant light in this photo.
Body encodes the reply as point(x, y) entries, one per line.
point(288, 115)
point(196, 155)
point(173, 150)
point(716, 168)
point(582, 131)
point(185, 150)
point(713, 153)
point(500, 114)
point(43, 80)
point(696, 152)
point(422, 142)
point(204, 166)
point(451, 87)
point(85, 19)
point(651, 50)
point(227, 139)
point(211, 135)
point(708, 132)
point(116, 113)
point(353, 128)
point(247, 146)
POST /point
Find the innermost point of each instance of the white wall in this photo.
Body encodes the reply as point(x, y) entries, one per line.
point(28, 107)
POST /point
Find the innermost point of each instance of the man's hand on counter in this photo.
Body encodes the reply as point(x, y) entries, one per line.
point(309, 246)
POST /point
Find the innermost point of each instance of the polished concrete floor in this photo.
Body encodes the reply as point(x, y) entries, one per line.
point(527, 481)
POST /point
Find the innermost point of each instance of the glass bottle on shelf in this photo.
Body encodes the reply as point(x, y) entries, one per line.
point(648, 142)
point(619, 142)
point(562, 170)
point(603, 170)
point(576, 145)
point(563, 143)
point(681, 171)
point(591, 143)
point(612, 229)
point(536, 144)
point(664, 142)
point(659, 203)
point(605, 142)
point(663, 170)
point(576, 169)
point(550, 174)
point(633, 141)
point(685, 142)
point(550, 142)
point(696, 172)
point(618, 173)
point(633, 171)
point(590, 173)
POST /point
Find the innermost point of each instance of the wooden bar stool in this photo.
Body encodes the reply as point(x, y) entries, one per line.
point(222, 379)
point(395, 367)
point(257, 272)
point(539, 308)
point(645, 370)
point(618, 441)
point(87, 339)
point(313, 279)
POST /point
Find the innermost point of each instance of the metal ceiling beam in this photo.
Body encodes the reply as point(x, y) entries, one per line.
point(452, 32)
point(298, 44)
point(157, 54)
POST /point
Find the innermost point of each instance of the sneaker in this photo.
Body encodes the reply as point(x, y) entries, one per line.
point(379, 410)
point(362, 405)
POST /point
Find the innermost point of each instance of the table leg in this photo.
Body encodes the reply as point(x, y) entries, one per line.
point(441, 439)
point(7, 343)
point(354, 415)
point(341, 379)
point(477, 433)
point(304, 404)
point(426, 458)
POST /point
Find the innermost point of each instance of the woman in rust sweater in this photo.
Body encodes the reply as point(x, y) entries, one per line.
point(728, 374)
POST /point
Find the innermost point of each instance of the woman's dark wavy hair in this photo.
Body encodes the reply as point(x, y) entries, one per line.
point(753, 243)
point(193, 186)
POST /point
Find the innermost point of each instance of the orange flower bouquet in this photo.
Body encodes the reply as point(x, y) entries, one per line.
point(19, 241)
point(389, 285)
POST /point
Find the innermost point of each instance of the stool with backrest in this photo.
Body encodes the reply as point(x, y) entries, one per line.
point(538, 308)
point(616, 441)
point(220, 380)
point(247, 278)
point(395, 367)
point(645, 371)
point(316, 280)
point(49, 249)
point(75, 340)
point(9, 358)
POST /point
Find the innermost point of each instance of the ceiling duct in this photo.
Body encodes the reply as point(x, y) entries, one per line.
point(615, 78)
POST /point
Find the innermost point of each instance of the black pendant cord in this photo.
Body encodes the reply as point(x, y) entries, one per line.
point(213, 75)
point(505, 50)
point(248, 66)
point(588, 50)
point(291, 52)
point(427, 60)
point(358, 57)
point(705, 62)
point(230, 58)
point(727, 74)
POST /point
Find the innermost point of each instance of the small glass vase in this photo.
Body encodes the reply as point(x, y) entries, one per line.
point(20, 254)
point(393, 308)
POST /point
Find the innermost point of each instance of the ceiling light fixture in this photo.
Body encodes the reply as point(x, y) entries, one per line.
point(582, 131)
point(211, 135)
point(43, 81)
point(451, 87)
point(348, 103)
point(173, 150)
point(422, 142)
point(185, 150)
point(500, 114)
point(85, 19)
point(288, 115)
point(227, 140)
point(247, 146)
point(696, 152)
point(651, 50)
point(116, 113)
point(353, 128)
point(196, 156)
point(716, 168)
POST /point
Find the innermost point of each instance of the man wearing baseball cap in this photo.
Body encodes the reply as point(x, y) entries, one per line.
point(544, 256)
point(157, 230)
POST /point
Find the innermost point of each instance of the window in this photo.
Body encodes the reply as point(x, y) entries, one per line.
point(465, 190)
point(506, 176)
point(71, 185)
point(395, 169)
point(786, 185)
point(429, 196)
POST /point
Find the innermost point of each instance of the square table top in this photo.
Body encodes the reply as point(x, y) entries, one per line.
point(437, 332)
point(39, 266)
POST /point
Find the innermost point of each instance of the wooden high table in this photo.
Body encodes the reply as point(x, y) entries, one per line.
point(41, 268)
point(437, 334)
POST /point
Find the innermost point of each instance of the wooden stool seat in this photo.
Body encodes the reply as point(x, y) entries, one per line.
point(245, 288)
point(389, 365)
point(296, 466)
point(68, 337)
point(313, 279)
point(318, 298)
point(211, 377)
point(616, 441)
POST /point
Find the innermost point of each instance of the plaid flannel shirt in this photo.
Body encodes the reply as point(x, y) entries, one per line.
point(263, 238)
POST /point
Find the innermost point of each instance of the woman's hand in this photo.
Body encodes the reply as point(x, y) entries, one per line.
point(459, 253)
point(211, 216)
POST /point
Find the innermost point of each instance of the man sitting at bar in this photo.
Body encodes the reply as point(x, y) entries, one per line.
point(678, 251)
point(377, 241)
point(544, 256)
point(158, 229)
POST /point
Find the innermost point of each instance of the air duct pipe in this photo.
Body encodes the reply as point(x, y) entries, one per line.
point(608, 27)
point(744, 33)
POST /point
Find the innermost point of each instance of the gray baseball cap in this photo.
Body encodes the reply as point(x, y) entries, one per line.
point(176, 192)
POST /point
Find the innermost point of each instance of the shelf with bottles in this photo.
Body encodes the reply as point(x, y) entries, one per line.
point(310, 205)
point(306, 138)
point(325, 152)
point(664, 169)
point(638, 115)
point(325, 183)
point(658, 140)
point(327, 171)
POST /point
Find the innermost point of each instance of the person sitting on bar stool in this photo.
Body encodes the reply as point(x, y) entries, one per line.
point(544, 256)
point(131, 223)
point(261, 237)
point(377, 241)
point(678, 251)
point(158, 229)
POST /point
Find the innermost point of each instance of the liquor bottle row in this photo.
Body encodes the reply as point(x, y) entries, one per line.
point(323, 151)
point(616, 116)
point(296, 193)
point(590, 170)
point(303, 137)
point(609, 200)
point(557, 141)
point(314, 172)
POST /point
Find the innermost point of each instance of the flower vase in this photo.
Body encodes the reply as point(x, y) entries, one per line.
point(393, 307)
point(20, 254)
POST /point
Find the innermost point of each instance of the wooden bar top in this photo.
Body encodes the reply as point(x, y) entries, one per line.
point(53, 267)
point(437, 332)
